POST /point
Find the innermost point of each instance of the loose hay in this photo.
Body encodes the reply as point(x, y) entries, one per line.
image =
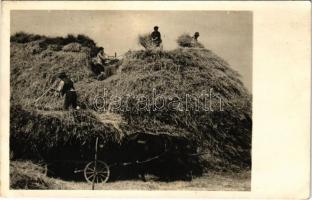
point(26, 175)
point(225, 136)
point(186, 40)
point(73, 47)
point(146, 41)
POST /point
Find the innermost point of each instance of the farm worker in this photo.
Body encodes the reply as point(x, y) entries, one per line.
point(156, 37)
point(196, 35)
point(100, 57)
point(99, 61)
point(66, 87)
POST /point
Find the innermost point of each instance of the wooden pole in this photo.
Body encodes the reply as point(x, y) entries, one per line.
point(50, 88)
point(95, 162)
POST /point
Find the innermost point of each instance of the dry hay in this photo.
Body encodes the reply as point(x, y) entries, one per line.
point(112, 118)
point(186, 40)
point(225, 136)
point(56, 43)
point(146, 41)
point(32, 74)
point(27, 175)
point(74, 47)
point(48, 135)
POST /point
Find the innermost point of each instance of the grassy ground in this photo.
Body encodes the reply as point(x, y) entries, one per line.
point(208, 182)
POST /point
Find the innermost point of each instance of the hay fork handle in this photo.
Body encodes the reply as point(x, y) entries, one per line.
point(49, 89)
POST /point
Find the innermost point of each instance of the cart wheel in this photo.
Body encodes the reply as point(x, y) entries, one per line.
point(100, 175)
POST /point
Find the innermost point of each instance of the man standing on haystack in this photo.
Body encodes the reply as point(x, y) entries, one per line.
point(156, 37)
point(196, 35)
point(66, 87)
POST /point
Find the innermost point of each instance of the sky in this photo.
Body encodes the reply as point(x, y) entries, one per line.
point(228, 34)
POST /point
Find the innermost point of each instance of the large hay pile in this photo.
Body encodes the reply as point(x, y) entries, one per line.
point(172, 75)
point(177, 77)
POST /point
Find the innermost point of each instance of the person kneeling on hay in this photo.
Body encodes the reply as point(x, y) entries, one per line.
point(66, 87)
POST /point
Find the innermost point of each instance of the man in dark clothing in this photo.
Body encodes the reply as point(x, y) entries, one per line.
point(196, 35)
point(66, 87)
point(156, 37)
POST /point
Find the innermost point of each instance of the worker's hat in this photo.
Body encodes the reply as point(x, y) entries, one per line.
point(197, 33)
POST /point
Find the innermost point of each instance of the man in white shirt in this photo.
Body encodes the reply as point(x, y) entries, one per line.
point(100, 57)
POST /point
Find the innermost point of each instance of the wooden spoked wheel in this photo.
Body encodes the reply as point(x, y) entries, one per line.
point(98, 174)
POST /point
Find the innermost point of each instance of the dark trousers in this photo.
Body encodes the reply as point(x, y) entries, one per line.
point(70, 100)
point(97, 68)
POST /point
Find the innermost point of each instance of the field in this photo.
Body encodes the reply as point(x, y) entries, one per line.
point(27, 175)
point(208, 182)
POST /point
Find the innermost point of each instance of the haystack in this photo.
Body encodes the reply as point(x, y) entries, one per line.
point(180, 78)
point(184, 75)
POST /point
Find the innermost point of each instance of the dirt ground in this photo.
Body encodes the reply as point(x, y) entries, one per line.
point(208, 182)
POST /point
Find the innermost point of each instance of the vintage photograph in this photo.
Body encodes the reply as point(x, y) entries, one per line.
point(131, 100)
